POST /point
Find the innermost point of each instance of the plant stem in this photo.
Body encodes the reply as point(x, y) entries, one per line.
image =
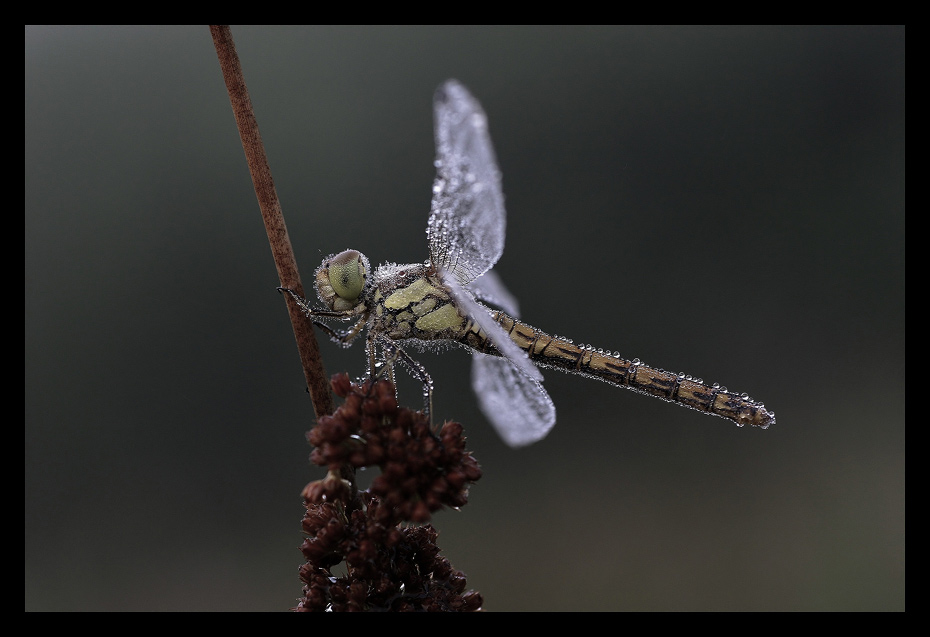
point(317, 381)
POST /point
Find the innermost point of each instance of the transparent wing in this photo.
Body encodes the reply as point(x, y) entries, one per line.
point(518, 407)
point(467, 219)
point(466, 238)
point(469, 306)
point(489, 287)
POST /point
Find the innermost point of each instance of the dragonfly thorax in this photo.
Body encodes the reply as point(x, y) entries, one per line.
point(341, 280)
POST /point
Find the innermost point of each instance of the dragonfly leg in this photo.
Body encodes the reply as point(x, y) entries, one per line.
point(386, 370)
point(392, 354)
point(308, 310)
point(343, 337)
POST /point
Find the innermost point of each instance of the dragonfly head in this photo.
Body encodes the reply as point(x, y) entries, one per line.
point(341, 278)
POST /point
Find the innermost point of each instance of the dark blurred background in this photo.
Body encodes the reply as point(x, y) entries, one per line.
point(728, 202)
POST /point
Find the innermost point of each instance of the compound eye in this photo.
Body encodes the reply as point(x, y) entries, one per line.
point(347, 272)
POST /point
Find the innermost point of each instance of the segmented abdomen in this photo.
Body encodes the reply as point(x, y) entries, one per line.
point(559, 353)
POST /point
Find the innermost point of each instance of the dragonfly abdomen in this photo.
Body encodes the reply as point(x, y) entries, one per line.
point(558, 353)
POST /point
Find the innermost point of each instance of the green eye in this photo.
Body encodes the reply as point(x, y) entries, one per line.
point(347, 274)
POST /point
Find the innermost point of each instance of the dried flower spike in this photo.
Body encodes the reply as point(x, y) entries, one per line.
point(389, 563)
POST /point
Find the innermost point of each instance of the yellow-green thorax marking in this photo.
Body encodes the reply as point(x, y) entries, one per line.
point(413, 303)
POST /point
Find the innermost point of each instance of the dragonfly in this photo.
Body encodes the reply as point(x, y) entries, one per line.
point(456, 297)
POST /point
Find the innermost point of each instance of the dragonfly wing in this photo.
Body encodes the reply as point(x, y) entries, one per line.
point(518, 407)
point(468, 306)
point(467, 219)
point(466, 232)
point(489, 287)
